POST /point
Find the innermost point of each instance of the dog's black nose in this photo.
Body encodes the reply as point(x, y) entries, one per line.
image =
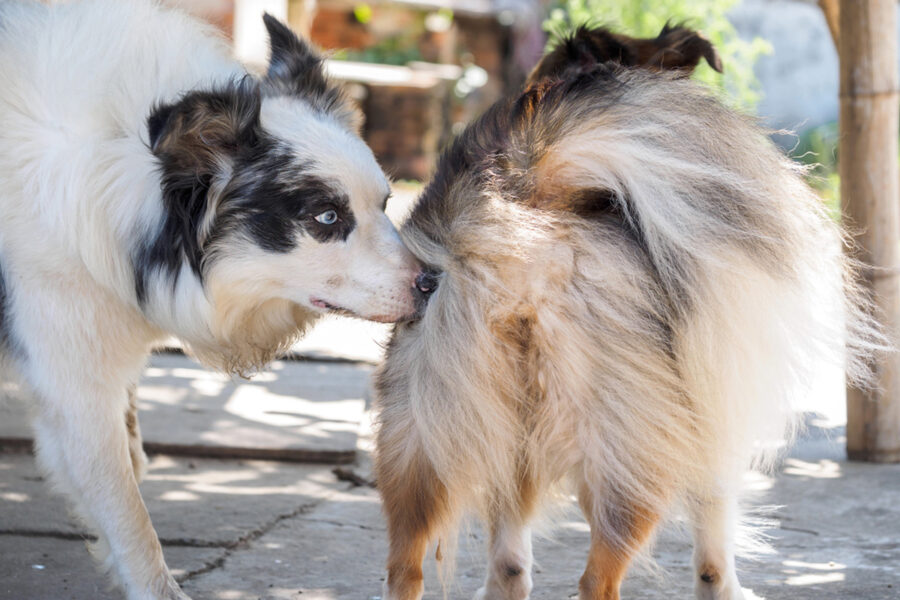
point(426, 282)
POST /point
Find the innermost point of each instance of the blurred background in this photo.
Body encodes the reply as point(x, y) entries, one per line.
point(420, 69)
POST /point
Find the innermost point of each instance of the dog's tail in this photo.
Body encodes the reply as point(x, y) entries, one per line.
point(676, 48)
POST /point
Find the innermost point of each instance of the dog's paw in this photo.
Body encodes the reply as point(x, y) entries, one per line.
point(173, 591)
point(729, 591)
point(164, 587)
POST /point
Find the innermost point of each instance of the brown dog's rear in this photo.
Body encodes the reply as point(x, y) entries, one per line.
point(625, 267)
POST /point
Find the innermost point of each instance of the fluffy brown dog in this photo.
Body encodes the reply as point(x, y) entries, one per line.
point(633, 286)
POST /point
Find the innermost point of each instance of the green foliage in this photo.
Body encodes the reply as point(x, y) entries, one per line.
point(395, 50)
point(645, 18)
point(817, 148)
point(401, 47)
point(363, 13)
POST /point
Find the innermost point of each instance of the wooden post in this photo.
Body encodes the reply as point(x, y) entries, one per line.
point(870, 193)
point(832, 10)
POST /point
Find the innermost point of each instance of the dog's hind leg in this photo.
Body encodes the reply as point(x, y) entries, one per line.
point(611, 551)
point(509, 566)
point(715, 520)
point(416, 506)
point(135, 440)
point(510, 554)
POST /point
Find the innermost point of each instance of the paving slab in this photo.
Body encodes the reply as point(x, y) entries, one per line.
point(203, 510)
point(200, 502)
point(55, 569)
point(837, 536)
point(300, 411)
point(249, 530)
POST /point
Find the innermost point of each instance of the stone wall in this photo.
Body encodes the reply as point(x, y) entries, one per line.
point(800, 80)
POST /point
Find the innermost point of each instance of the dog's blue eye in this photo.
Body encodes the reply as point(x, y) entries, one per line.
point(327, 218)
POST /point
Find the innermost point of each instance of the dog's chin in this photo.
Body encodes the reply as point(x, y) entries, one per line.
point(334, 309)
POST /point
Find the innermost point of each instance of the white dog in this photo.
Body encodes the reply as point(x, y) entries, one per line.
point(151, 187)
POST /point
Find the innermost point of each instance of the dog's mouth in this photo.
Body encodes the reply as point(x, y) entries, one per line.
point(325, 305)
point(340, 310)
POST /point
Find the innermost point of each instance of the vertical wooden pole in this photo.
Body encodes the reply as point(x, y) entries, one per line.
point(832, 11)
point(870, 192)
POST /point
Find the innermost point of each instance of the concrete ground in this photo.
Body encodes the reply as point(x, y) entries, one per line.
point(244, 529)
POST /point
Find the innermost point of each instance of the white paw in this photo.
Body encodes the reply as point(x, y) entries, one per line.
point(165, 588)
point(723, 592)
point(517, 593)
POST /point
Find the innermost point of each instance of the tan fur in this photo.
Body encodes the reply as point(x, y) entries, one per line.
point(607, 562)
point(635, 287)
point(416, 506)
point(135, 440)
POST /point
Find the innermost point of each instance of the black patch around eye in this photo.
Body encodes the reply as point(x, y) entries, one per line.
point(337, 231)
point(274, 212)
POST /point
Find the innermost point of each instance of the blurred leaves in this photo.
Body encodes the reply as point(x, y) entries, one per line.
point(738, 86)
point(363, 13)
point(817, 149)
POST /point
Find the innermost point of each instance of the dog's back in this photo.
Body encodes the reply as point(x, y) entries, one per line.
point(89, 69)
point(78, 81)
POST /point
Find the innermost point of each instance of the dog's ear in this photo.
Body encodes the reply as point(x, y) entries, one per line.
point(677, 48)
point(199, 132)
point(674, 49)
point(580, 51)
point(296, 69)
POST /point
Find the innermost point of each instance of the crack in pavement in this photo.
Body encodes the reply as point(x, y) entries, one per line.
point(88, 537)
point(251, 536)
point(59, 535)
point(799, 530)
point(340, 524)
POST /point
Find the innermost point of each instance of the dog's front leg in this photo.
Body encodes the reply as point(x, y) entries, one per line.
point(83, 445)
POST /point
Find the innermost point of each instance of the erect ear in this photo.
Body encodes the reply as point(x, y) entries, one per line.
point(674, 49)
point(203, 129)
point(296, 69)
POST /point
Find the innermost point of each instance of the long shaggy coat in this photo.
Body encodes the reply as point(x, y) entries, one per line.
point(635, 286)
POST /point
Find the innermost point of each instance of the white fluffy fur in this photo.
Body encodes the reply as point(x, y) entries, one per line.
point(80, 190)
